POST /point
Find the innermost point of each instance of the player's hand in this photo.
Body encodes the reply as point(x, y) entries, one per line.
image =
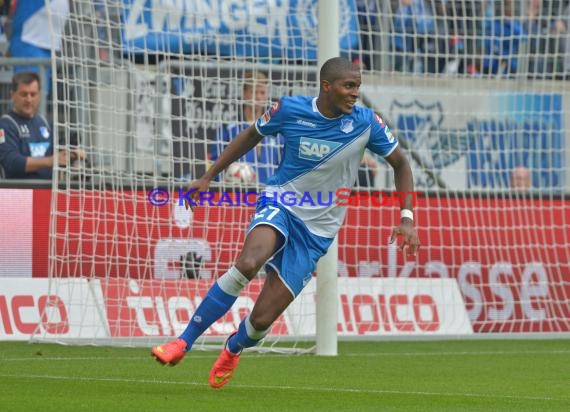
point(409, 237)
point(194, 189)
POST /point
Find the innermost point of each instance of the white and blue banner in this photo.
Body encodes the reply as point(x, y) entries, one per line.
point(30, 26)
point(531, 136)
point(270, 29)
point(471, 135)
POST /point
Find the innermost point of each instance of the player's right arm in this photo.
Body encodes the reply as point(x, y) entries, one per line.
point(240, 145)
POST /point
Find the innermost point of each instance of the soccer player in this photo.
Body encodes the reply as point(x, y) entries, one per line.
point(325, 138)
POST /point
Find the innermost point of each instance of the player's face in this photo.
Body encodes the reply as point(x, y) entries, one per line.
point(26, 99)
point(343, 93)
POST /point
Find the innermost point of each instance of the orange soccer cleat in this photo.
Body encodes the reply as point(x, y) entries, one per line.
point(224, 368)
point(170, 353)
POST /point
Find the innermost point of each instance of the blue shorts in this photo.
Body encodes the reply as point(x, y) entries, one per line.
point(297, 258)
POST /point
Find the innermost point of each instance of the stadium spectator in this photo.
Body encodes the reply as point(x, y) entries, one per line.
point(325, 137)
point(521, 179)
point(503, 37)
point(421, 39)
point(453, 33)
point(265, 157)
point(544, 34)
point(413, 25)
point(367, 11)
point(464, 26)
point(26, 139)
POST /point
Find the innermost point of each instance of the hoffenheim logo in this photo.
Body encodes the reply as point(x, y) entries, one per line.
point(44, 132)
point(346, 125)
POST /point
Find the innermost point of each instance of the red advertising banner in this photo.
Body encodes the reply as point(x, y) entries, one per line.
point(510, 256)
point(377, 307)
point(126, 308)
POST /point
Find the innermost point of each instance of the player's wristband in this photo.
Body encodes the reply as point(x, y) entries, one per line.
point(406, 213)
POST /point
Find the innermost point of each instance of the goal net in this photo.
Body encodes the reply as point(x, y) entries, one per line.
point(151, 90)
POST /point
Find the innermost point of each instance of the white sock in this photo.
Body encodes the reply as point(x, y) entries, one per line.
point(254, 333)
point(232, 282)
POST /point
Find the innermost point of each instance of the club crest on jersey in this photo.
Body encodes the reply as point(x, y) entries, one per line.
point(44, 132)
point(346, 125)
point(315, 149)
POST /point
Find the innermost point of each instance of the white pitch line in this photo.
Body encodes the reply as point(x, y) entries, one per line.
point(293, 388)
point(194, 355)
point(464, 353)
point(83, 358)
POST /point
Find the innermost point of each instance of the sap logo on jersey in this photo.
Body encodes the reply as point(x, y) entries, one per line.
point(315, 149)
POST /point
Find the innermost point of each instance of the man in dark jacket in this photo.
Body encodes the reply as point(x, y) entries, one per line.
point(26, 138)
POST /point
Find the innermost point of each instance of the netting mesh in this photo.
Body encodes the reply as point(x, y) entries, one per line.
point(475, 92)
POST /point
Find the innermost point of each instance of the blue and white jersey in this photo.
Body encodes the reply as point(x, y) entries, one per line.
point(320, 156)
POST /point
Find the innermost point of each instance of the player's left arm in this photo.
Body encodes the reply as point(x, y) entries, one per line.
point(404, 181)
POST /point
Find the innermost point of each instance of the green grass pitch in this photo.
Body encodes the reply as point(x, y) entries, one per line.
point(459, 375)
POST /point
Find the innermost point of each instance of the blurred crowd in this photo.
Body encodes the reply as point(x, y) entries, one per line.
point(474, 37)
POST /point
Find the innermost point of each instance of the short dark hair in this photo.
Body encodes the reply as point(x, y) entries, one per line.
point(25, 77)
point(336, 67)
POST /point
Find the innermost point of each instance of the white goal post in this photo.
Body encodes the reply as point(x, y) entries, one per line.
point(143, 86)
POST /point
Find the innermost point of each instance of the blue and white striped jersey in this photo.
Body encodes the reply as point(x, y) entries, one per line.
point(320, 156)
